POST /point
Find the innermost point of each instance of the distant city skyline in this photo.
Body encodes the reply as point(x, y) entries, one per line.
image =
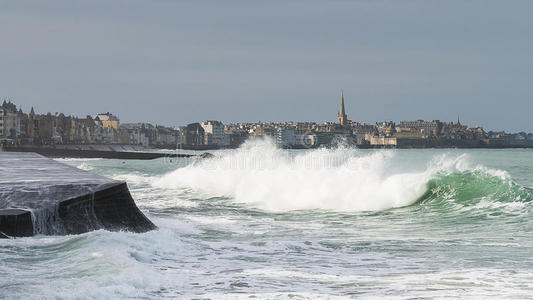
point(344, 120)
point(158, 62)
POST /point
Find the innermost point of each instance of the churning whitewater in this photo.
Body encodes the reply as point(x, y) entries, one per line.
point(340, 179)
point(270, 223)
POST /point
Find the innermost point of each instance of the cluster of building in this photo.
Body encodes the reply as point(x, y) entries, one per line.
point(405, 134)
point(17, 127)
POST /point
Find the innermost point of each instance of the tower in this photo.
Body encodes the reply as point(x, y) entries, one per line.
point(342, 119)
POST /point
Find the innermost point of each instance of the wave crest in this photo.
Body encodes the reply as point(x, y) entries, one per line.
point(471, 187)
point(342, 179)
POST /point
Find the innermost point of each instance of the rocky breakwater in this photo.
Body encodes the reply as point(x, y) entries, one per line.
point(41, 196)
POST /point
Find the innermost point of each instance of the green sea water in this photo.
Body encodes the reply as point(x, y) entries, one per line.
point(260, 222)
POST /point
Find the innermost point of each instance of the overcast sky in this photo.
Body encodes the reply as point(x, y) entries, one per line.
point(176, 62)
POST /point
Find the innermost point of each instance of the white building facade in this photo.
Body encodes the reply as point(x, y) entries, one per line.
point(9, 124)
point(214, 133)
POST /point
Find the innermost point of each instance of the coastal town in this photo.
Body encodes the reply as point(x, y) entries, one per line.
point(19, 128)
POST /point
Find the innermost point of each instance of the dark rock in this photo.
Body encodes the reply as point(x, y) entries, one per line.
point(14, 222)
point(206, 155)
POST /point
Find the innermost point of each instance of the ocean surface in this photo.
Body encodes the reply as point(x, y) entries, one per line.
point(261, 222)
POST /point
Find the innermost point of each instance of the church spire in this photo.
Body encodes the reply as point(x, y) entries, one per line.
point(341, 111)
point(341, 116)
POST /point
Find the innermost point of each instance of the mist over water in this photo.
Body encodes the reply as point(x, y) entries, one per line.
point(319, 223)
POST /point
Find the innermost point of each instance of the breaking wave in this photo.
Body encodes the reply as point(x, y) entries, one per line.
point(473, 187)
point(341, 179)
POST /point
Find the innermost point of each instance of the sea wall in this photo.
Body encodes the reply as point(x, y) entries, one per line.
point(41, 196)
point(75, 153)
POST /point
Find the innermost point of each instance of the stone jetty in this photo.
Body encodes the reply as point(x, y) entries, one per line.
point(39, 195)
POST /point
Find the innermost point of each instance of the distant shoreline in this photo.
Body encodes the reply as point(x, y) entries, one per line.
point(73, 153)
point(146, 154)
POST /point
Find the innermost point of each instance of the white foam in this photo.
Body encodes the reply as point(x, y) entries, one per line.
point(345, 179)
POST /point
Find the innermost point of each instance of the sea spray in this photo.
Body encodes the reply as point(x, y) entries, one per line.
point(341, 179)
point(261, 175)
